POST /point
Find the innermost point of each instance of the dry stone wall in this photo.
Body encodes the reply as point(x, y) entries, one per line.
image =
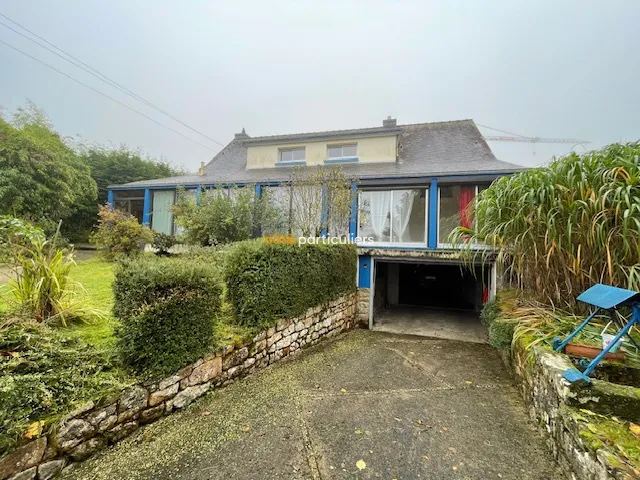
point(94, 425)
point(551, 398)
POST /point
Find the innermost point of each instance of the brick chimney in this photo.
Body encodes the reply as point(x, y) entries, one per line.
point(201, 169)
point(242, 135)
point(389, 122)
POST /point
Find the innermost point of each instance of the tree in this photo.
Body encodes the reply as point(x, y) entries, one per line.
point(41, 178)
point(109, 167)
point(307, 186)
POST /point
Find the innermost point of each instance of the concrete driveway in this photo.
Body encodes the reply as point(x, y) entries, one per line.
point(396, 406)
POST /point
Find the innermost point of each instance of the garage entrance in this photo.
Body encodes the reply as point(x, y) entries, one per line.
point(440, 300)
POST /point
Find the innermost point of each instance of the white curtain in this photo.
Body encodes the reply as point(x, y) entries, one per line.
point(380, 209)
point(161, 214)
point(402, 207)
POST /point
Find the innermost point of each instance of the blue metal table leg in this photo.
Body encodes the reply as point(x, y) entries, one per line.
point(602, 354)
point(559, 346)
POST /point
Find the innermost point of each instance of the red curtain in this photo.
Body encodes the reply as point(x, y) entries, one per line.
point(467, 194)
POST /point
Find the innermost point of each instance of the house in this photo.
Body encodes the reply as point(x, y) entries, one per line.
point(413, 184)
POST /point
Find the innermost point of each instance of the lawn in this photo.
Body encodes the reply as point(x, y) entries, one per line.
point(96, 275)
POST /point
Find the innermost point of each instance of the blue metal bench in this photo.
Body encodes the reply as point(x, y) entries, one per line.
point(603, 297)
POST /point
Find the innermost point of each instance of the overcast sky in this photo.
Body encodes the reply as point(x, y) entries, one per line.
point(552, 68)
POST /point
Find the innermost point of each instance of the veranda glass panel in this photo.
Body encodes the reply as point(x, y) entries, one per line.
point(278, 216)
point(408, 216)
point(454, 211)
point(161, 214)
point(393, 216)
point(375, 216)
point(130, 201)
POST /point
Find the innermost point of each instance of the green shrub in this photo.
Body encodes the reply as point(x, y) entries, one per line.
point(162, 242)
point(43, 288)
point(501, 332)
point(222, 218)
point(15, 235)
point(490, 312)
point(267, 282)
point(119, 233)
point(44, 374)
point(167, 308)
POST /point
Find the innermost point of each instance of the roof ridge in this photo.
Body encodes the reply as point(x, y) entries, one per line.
point(376, 128)
point(441, 122)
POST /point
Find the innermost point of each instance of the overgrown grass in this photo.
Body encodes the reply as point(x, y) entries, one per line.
point(540, 324)
point(560, 228)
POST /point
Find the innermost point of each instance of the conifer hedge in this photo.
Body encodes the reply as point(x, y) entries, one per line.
point(167, 308)
point(266, 282)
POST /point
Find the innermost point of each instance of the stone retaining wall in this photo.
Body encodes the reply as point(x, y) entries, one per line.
point(553, 403)
point(96, 424)
point(363, 307)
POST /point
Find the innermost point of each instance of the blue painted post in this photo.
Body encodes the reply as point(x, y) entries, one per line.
point(258, 190)
point(353, 220)
point(111, 199)
point(325, 211)
point(364, 271)
point(433, 213)
point(146, 209)
point(198, 193)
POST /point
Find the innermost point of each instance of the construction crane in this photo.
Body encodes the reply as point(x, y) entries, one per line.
point(499, 138)
point(514, 137)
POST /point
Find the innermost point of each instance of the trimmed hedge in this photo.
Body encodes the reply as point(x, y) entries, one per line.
point(167, 307)
point(266, 282)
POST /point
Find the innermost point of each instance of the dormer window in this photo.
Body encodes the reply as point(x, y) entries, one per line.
point(292, 156)
point(342, 153)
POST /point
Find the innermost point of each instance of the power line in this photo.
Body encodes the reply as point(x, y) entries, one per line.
point(100, 76)
point(105, 95)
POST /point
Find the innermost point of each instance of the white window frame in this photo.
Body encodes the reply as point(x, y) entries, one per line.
point(390, 243)
point(341, 146)
point(291, 149)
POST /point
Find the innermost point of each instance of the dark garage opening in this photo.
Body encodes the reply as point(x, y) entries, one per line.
point(437, 299)
point(444, 286)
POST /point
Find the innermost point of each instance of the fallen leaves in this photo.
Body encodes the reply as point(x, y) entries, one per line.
point(361, 465)
point(343, 390)
point(34, 430)
point(635, 429)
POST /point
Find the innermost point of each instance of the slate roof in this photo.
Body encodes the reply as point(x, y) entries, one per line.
point(425, 150)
